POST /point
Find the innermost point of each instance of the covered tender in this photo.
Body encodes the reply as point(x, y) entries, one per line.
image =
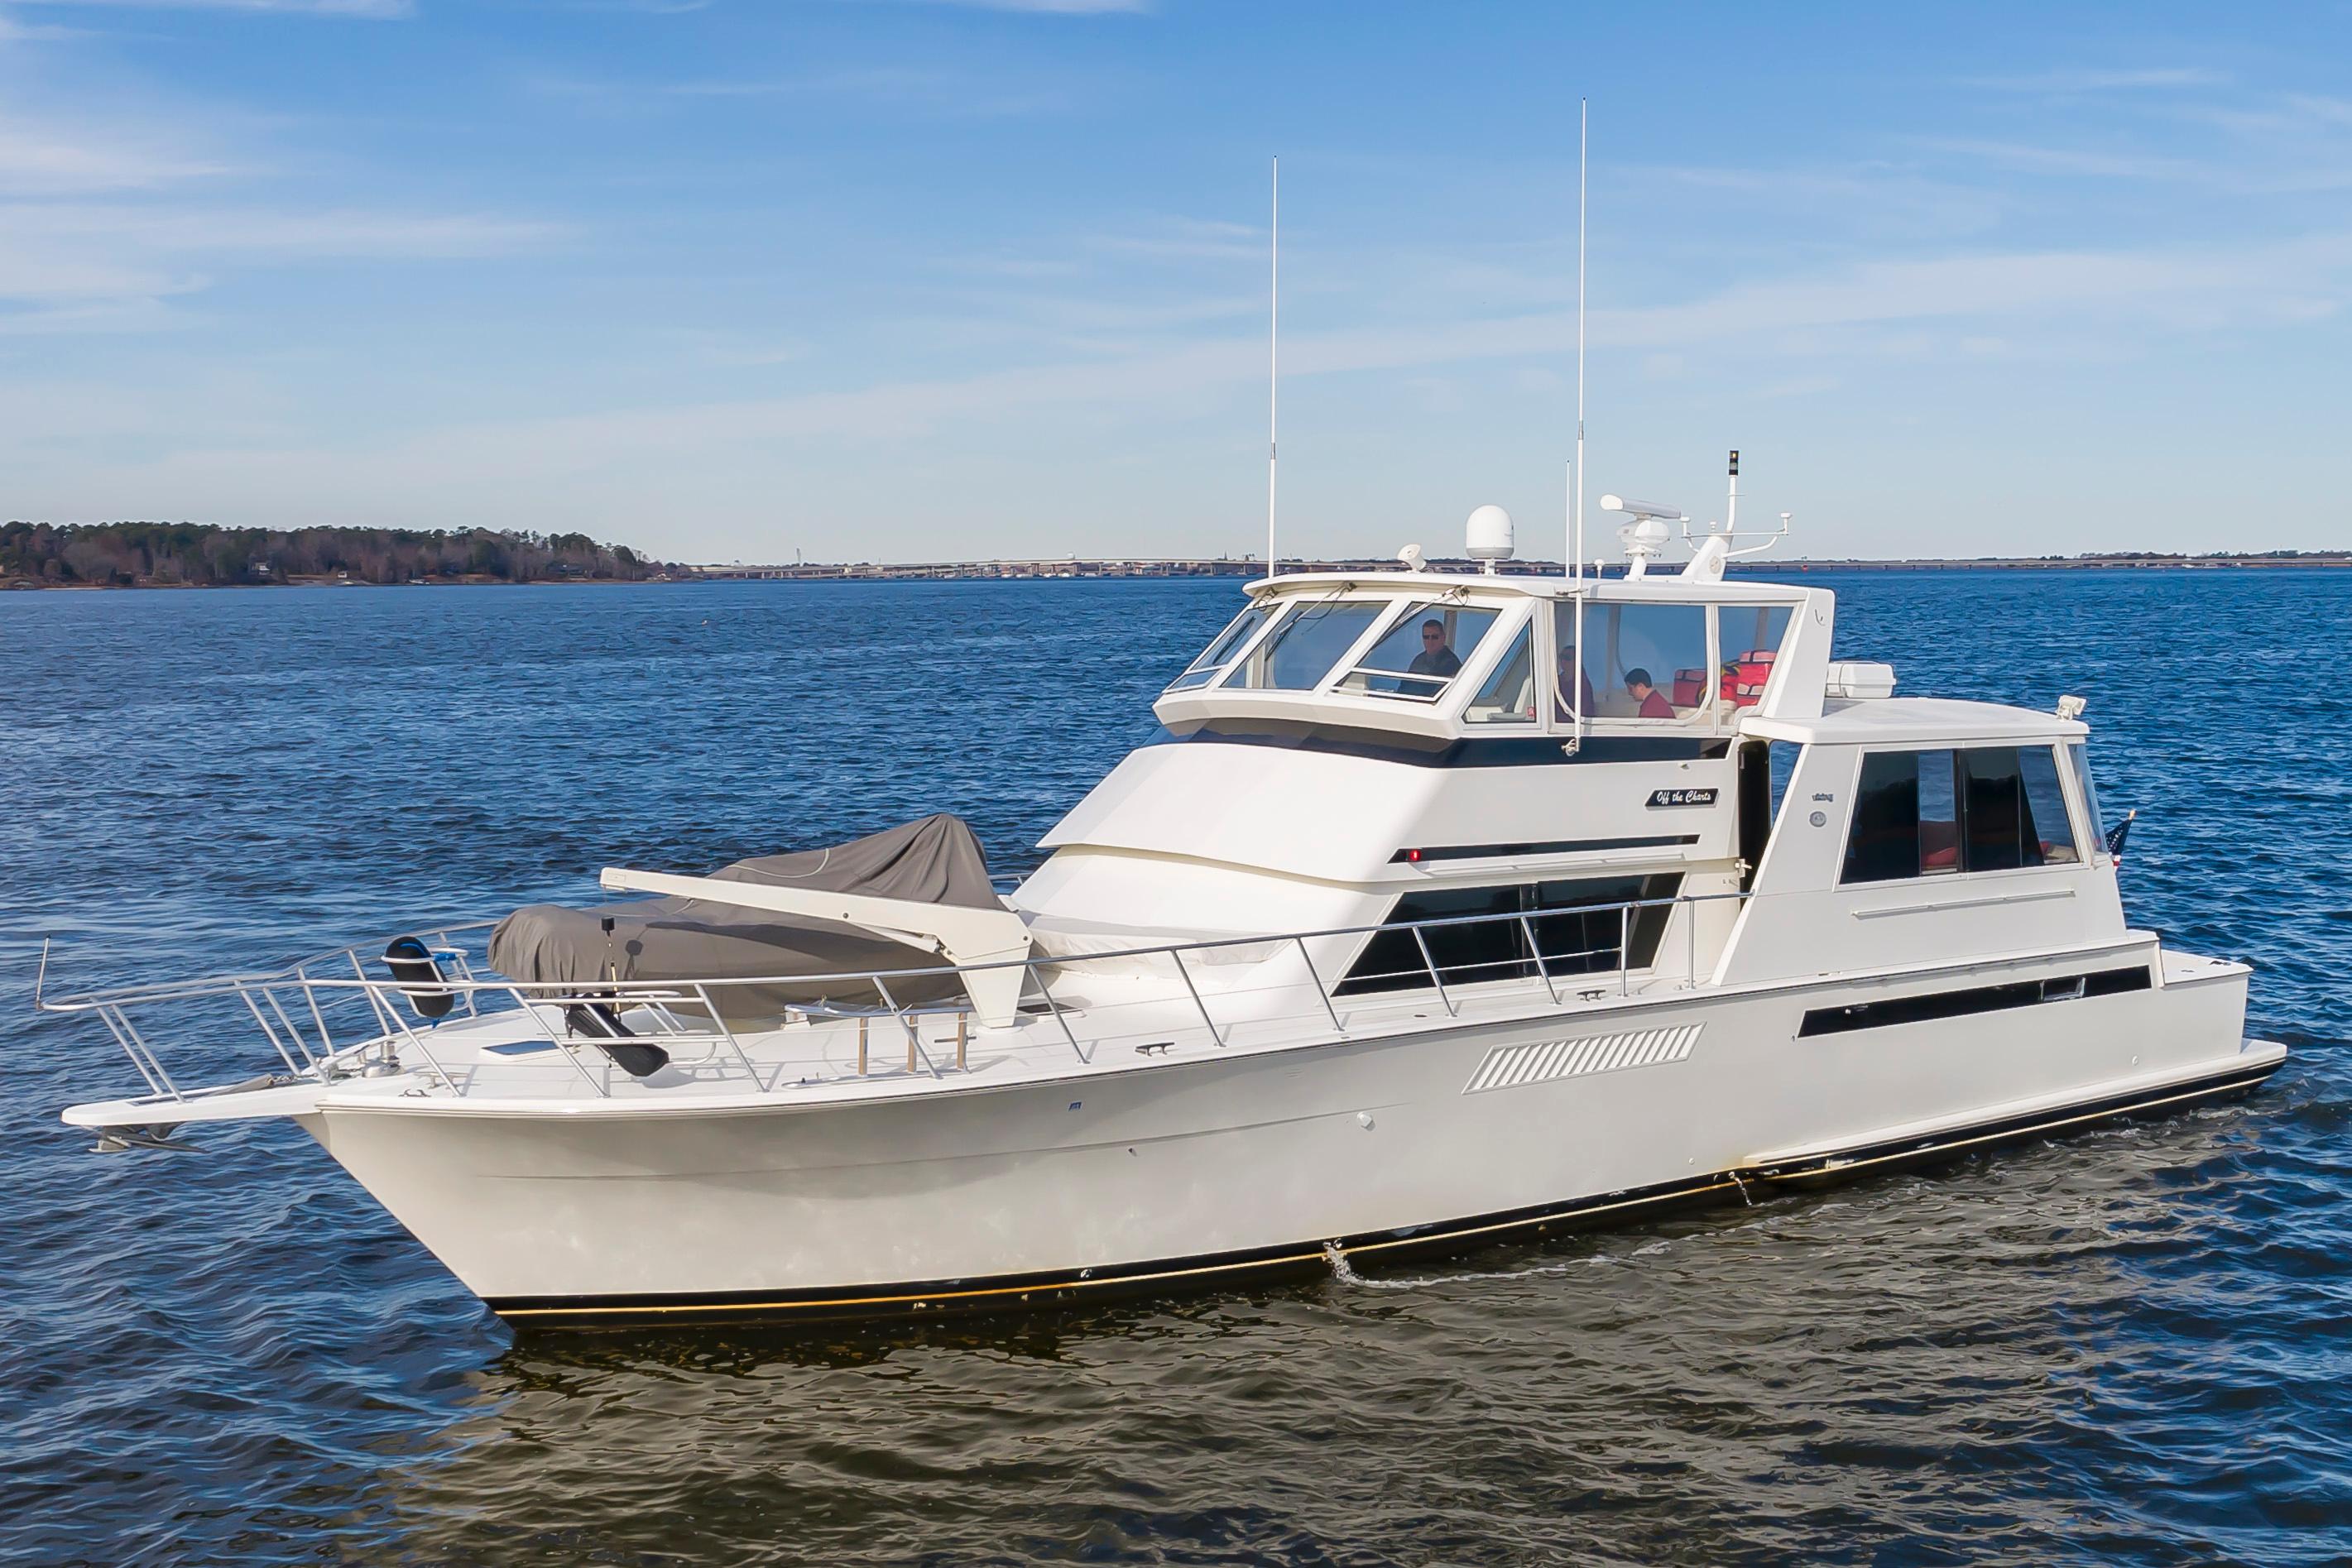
point(936, 860)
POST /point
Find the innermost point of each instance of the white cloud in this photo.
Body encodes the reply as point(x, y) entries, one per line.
point(2189, 290)
point(40, 160)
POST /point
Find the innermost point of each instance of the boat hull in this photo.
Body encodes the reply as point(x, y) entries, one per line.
point(1188, 1173)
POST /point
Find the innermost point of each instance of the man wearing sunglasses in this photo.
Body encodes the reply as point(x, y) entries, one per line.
point(1435, 658)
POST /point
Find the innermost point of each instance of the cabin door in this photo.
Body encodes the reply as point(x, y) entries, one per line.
point(1755, 805)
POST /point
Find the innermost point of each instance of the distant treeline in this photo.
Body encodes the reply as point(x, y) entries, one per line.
point(127, 554)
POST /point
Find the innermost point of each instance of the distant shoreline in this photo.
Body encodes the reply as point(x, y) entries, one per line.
point(1045, 569)
point(29, 584)
point(1168, 569)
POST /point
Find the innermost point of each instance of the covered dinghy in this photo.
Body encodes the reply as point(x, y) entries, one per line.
point(933, 860)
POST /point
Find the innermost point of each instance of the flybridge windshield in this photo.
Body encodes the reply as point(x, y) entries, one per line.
point(1408, 649)
point(1298, 655)
point(1423, 651)
point(1228, 643)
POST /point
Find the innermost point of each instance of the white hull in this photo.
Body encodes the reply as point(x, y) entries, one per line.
point(1003, 1197)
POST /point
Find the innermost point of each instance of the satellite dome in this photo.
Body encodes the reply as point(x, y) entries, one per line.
point(1489, 534)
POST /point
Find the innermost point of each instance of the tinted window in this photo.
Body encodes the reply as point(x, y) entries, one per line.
point(1584, 939)
point(2001, 824)
point(2047, 824)
point(1883, 842)
point(1572, 935)
point(1302, 650)
point(1988, 808)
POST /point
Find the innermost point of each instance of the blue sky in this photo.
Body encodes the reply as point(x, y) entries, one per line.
point(900, 279)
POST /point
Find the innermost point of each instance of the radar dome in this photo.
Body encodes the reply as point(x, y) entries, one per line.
point(1489, 534)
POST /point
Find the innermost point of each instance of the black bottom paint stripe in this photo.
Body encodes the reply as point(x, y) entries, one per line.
point(1018, 1293)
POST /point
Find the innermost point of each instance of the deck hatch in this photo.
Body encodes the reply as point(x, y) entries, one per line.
point(1545, 1060)
point(1975, 999)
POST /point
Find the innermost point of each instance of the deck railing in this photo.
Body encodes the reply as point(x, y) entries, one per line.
point(292, 1006)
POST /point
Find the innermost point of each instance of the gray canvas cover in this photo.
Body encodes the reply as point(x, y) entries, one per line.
point(934, 860)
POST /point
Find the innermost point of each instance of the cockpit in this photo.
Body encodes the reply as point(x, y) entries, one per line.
point(1448, 655)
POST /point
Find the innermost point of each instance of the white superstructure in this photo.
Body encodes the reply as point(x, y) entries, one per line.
point(1444, 907)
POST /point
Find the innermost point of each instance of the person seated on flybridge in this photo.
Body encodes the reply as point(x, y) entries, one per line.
point(1654, 703)
point(1568, 667)
point(1435, 658)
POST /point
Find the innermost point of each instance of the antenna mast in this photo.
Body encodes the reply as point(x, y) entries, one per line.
point(1576, 508)
point(1273, 357)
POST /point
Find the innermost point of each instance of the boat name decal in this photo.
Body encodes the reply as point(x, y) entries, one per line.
point(1681, 798)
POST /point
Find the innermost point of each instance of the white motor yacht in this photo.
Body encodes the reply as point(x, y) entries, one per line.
point(1443, 908)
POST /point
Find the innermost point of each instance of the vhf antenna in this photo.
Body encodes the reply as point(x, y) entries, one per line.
point(1273, 357)
point(1576, 499)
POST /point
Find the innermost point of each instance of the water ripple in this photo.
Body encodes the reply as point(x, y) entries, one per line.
point(2124, 1347)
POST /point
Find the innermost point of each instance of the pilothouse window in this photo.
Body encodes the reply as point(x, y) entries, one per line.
point(1750, 642)
point(1298, 655)
point(1423, 651)
point(1509, 694)
point(1221, 651)
point(1646, 661)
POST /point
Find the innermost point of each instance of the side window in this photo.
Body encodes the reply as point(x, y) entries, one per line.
point(2047, 827)
point(1578, 926)
point(2078, 760)
point(1930, 814)
point(1750, 640)
point(1641, 660)
point(1574, 937)
point(1882, 844)
point(1940, 814)
point(1487, 949)
point(1998, 818)
point(1509, 694)
point(1572, 693)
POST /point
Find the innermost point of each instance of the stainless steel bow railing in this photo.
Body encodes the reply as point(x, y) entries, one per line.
point(681, 1013)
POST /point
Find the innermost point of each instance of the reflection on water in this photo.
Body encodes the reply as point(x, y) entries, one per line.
point(2128, 1346)
point(1929, 1359)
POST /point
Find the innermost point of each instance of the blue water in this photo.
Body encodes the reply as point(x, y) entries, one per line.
point(2130, 1346)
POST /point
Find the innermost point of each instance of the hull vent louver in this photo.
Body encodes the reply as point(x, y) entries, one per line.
point(1544, 1061)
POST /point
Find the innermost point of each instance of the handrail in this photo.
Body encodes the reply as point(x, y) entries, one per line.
point(386, 1003)
point(546, 992)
